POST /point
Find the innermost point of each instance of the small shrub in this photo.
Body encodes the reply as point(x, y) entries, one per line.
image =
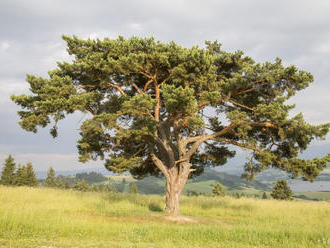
point(218, 190)
point(155, 207)
point(282, 191)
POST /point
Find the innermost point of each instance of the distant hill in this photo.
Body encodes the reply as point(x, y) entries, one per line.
point(228, 180)
point(102, 170)
point(201, 184)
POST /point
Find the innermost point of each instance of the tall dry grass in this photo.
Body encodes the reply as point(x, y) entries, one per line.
point(34, 217)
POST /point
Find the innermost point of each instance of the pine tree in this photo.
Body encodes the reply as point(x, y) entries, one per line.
point(133, 189)
point(20, 176)
point(218, 190)
point(31, 179)
point(8, 175)
point(264, 196)
point(281, 191)
point(146, 101)
point(25, 176)
point(51, 178)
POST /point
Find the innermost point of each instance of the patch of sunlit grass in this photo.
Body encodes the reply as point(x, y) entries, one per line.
point(32, 217)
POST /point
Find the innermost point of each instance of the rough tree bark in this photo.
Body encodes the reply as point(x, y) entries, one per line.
point(176, 177)
point(175, 182)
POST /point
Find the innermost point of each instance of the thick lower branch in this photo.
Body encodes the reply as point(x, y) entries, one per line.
point(160, 165)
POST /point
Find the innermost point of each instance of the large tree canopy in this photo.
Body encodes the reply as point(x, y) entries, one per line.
point(162, 109)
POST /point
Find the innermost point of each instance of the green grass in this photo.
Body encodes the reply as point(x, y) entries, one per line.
point(204, 187)
point(35, 217)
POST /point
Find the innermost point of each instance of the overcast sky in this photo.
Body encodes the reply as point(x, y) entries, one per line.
point(298, 31)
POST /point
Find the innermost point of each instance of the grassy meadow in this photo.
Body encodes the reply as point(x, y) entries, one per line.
point(37, 217)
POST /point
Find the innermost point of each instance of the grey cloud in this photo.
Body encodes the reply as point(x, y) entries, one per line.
point(30, 42)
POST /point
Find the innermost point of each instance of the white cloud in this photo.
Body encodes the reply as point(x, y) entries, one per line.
point(296, 30)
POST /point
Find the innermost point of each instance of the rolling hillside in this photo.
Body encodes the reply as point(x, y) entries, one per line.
point(201, 184)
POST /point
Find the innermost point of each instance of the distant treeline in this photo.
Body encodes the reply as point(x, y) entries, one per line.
point(24, 175)
point(21, 175)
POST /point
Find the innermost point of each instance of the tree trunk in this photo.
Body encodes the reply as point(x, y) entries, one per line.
point(172, 197)
point(175, 183)
point(176, 178)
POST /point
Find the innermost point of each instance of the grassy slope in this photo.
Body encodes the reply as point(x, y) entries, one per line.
point(35, 217)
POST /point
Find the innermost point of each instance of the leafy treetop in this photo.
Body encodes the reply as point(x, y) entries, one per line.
point(152, 103)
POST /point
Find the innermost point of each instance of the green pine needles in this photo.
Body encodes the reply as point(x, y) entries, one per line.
point(8, 172)
point(164, 110)
point(282, 191)
point(22, 176)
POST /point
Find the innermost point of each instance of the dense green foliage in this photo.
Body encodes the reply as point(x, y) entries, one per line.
point(162, 109)
point(25, 176)
point(218, 190)
point(116, 81)
point(22, 176)
point(8, 172)
point(282, 191)
point(91, 177)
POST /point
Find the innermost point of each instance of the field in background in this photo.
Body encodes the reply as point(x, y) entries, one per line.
point(35, 217)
